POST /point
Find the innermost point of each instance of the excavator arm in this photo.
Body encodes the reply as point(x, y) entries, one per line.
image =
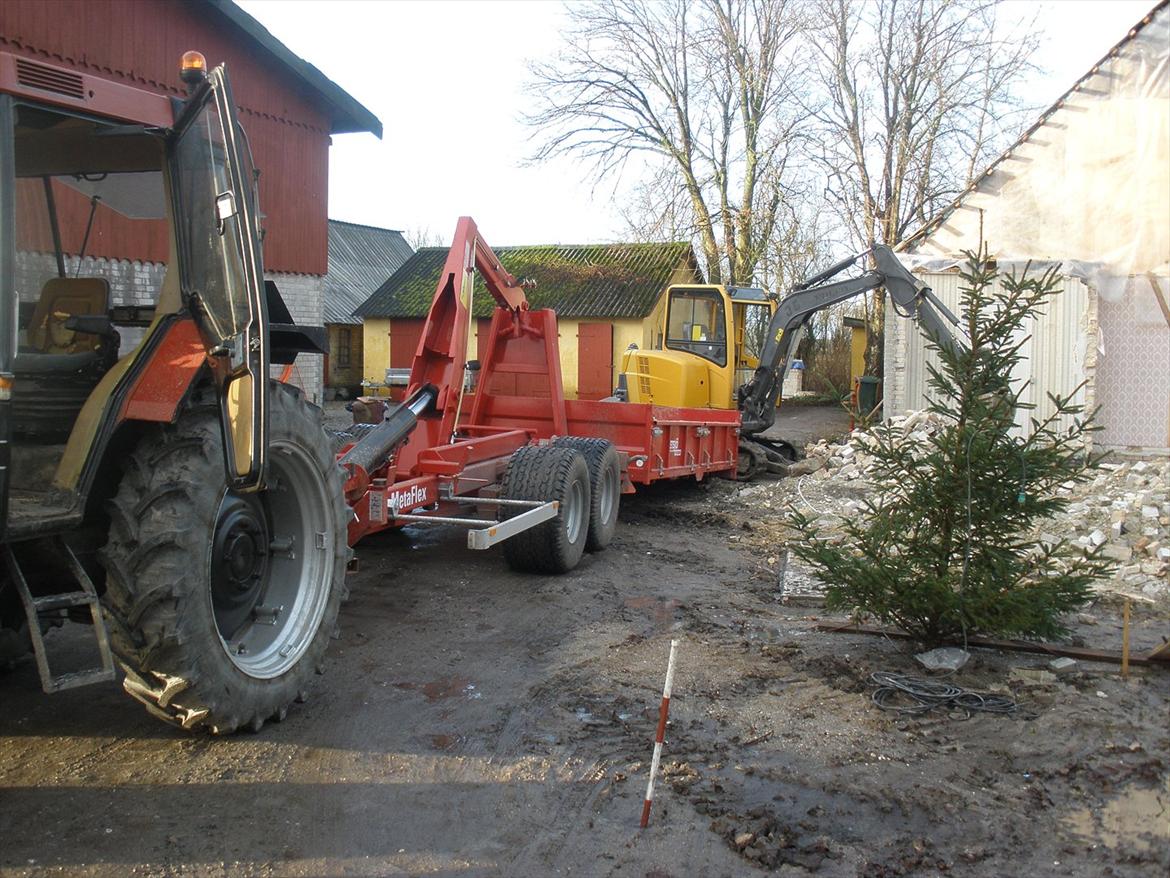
point(757, 398)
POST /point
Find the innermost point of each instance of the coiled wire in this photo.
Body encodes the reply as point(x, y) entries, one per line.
point(915, 696)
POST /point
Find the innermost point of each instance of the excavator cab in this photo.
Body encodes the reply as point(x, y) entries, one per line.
point(706, 345)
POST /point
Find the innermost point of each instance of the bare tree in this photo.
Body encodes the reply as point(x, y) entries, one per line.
point(422, 236)
point(702, 93)
point(915, 98)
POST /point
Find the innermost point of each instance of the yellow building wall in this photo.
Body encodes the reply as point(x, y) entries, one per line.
point(343, 376)
point(856, 353)
point(624, 332)
point(375, 349)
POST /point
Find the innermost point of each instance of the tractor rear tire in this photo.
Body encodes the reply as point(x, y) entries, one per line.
point(221, 605)
point(548, 473)
point(605, 487)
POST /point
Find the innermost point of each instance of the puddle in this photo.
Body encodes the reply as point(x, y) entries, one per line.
point(446, 743)
point(660, 609)
point(445, 687)
point(1139, 818)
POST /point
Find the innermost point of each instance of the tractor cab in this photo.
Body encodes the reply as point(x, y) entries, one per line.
point(79, 328)
point(706, 346)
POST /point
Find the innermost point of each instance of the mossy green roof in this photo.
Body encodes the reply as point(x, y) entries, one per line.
point(593, 280)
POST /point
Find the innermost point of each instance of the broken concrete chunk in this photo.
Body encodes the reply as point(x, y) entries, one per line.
point(1062, 664)
point(1150, 512)
point(806, 466)
point(1097, 538)
point(1117, 552)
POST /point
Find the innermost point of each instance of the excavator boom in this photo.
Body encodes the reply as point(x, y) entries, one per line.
point(757, 398)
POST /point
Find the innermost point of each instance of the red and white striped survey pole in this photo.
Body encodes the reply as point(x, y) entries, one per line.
point(658, 737)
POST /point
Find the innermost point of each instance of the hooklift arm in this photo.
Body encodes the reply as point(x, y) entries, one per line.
point(441, 357)
point(757, 398)
point(437, 371)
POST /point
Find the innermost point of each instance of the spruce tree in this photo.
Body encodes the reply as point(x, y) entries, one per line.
point(943, 547)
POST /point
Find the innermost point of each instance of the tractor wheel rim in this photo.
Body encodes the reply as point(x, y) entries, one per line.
point(284, 608)
point(239, 560)
point(575, 511)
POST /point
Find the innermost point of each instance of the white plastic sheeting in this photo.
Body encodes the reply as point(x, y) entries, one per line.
point(1088, 187)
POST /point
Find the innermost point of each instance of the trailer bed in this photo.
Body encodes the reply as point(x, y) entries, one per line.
point(661, 442)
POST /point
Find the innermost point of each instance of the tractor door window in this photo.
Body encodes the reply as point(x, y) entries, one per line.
point(210, 230)
point(695, 323)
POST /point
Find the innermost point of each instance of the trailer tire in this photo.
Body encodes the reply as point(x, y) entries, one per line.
point(547, 473)
point(605, 487)
point(192, 566)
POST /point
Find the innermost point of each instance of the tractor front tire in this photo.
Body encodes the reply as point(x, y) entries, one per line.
point(221, 604)
point(605, 487)
point(547, 473)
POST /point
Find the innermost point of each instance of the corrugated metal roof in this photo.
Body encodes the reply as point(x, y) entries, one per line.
point(593, 280)
point(360, 260)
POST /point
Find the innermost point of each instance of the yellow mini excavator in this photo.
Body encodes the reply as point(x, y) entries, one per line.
point(703, 357)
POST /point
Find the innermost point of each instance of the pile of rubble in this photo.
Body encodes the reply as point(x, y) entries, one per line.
point(1123, 509)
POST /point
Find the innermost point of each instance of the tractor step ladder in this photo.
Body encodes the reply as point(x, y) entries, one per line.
point(34, 606)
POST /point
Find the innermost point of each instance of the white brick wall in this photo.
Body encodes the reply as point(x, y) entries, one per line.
point(304, 294)
point(131, 283)
point(138, 283)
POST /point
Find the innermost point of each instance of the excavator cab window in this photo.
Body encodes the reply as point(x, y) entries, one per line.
point(696, 323)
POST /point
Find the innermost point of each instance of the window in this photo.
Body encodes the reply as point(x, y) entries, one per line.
point(342, 354)
point(695, 323)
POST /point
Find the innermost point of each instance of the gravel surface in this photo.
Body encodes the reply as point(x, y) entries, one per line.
point(474, 721)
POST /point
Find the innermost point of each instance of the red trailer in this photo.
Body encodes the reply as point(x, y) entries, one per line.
point(446, 452)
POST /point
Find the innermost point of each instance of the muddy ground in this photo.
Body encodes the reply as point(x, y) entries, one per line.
point(474, 721)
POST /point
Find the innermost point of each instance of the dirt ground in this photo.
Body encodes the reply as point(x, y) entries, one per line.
point(474, 721)
point(802, 424)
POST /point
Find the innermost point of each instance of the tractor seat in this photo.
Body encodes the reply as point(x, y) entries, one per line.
point(34, 363)
point(70, 345)
point(62, 298)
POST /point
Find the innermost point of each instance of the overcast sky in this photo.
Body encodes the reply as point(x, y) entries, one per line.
point(447, 78)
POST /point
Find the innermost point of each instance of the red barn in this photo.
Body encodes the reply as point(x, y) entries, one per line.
point(288, 108)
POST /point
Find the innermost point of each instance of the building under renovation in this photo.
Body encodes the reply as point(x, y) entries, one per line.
point(1088, 187)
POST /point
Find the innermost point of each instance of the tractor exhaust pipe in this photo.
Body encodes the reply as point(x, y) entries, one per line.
point(375, 448)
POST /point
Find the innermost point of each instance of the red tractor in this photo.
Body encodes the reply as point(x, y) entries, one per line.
point(166, 488)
